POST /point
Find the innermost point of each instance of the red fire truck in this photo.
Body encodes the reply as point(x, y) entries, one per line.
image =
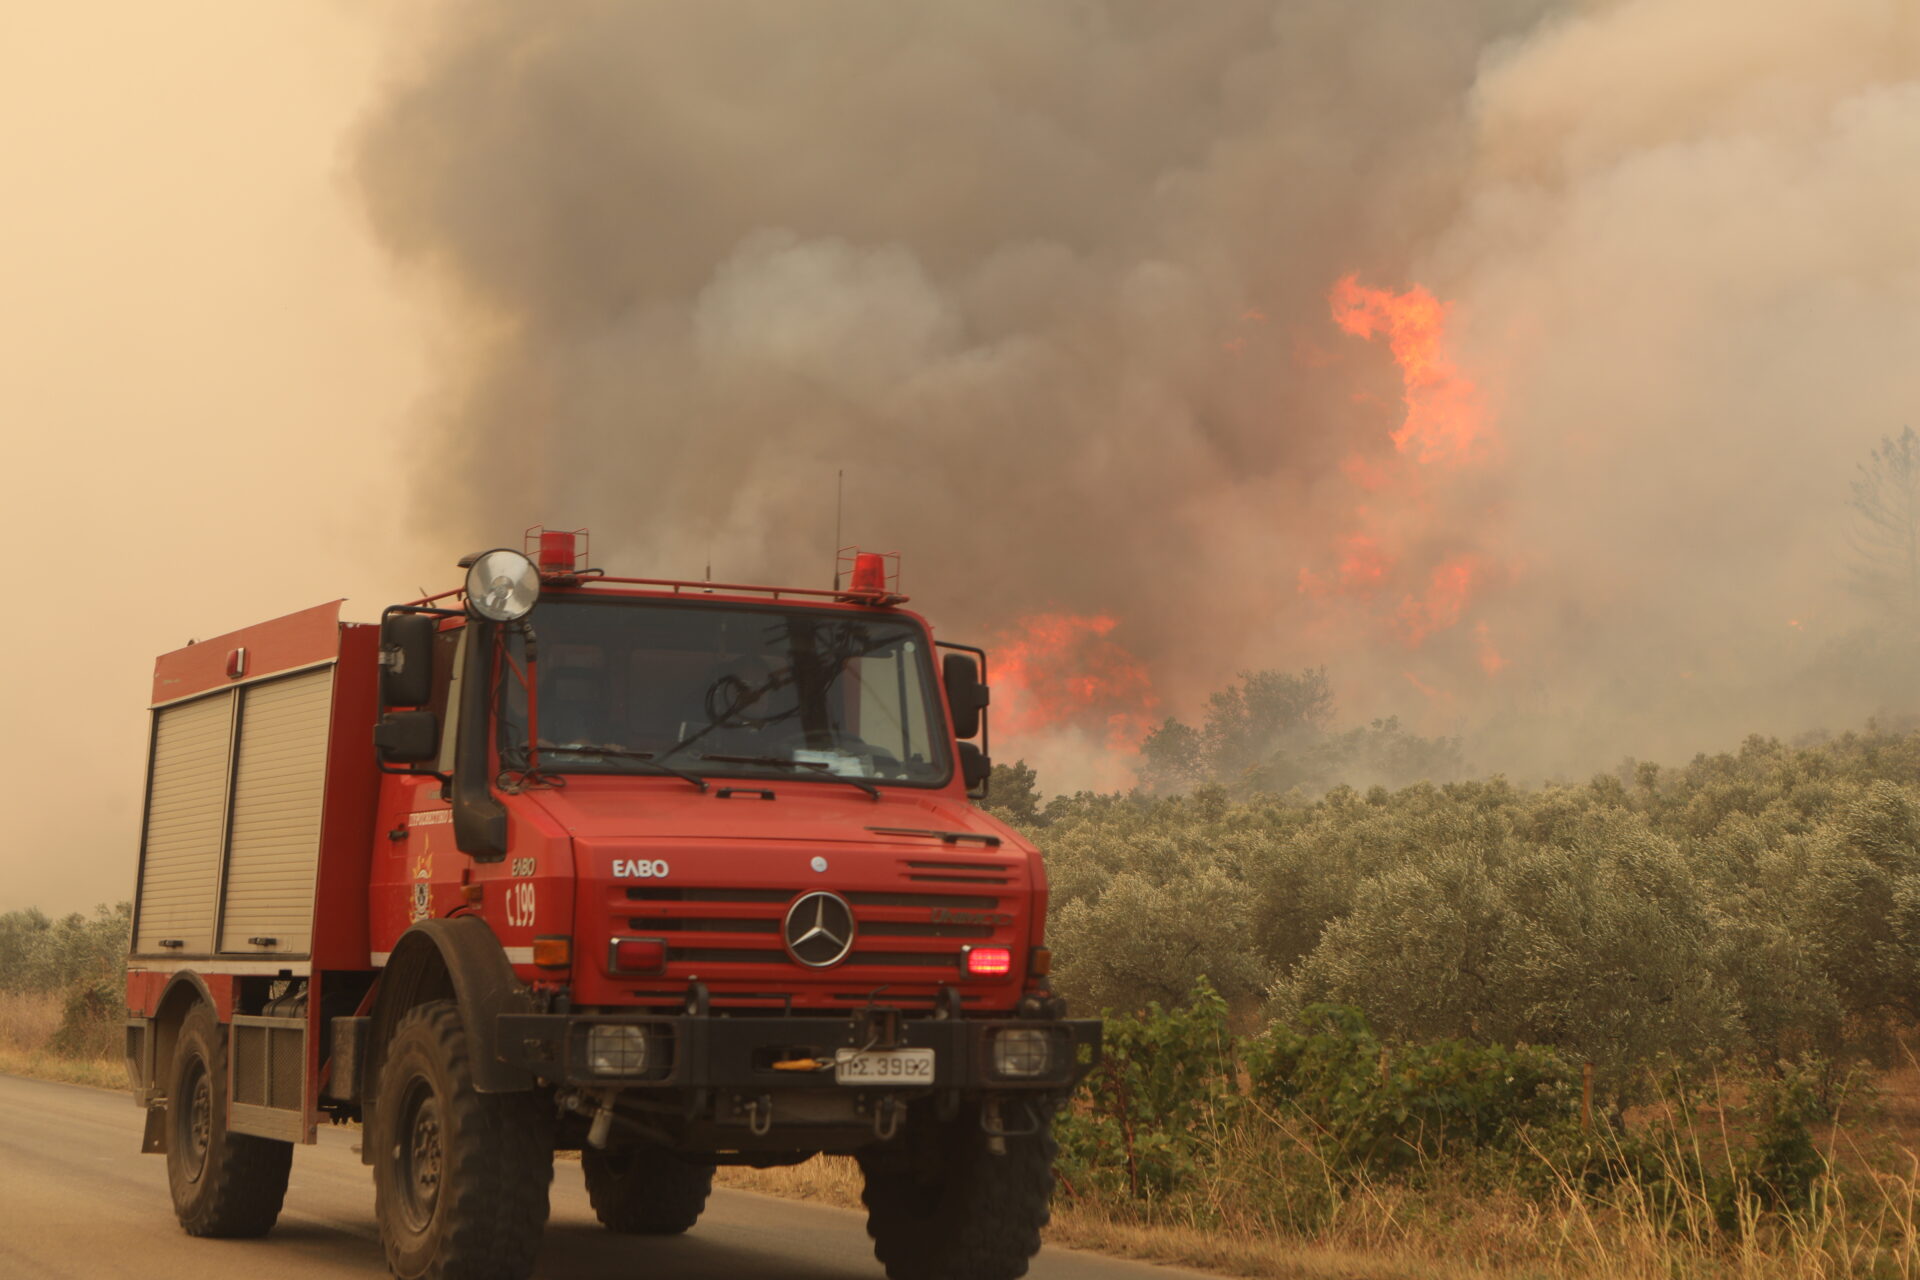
point(674, 874)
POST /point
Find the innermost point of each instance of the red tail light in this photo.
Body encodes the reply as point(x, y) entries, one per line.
point(639, 955)
point(989, 962)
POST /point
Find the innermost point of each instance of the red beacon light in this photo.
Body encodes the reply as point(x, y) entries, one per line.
point(869, 573)
point(871, 577)
point(555, 551)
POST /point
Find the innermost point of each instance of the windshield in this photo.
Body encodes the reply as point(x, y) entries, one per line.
point(633, 686)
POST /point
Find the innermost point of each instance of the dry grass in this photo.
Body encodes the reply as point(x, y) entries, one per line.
point(27, 1026)
point(28, 1021)
point(833, 1180)
point(1864, 1223)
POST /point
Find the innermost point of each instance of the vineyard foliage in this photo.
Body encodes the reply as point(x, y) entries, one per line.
point(1760, 906)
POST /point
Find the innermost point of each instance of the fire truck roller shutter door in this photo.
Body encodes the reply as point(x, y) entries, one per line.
point(278, 791)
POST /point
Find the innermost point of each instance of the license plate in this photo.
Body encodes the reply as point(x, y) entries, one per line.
point(883, 1066)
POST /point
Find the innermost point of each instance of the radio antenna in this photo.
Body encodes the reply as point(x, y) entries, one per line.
point(839, 504)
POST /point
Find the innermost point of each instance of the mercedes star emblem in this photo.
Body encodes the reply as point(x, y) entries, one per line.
point(819, 930)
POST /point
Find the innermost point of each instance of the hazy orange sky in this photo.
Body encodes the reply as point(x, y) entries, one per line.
point(206, 370)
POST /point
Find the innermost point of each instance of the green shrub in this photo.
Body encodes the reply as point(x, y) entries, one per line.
point(1387, 1110)
point(82, 957)
point(1164, 1089)
point(91, 1021)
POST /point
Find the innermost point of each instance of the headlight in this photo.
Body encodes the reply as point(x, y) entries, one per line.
point(502, 586)
point(1021, 1053)
point(617, 1050)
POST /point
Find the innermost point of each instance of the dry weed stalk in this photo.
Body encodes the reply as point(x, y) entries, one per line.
point(28, 1019)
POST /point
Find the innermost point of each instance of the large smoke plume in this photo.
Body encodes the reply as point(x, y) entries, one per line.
point(1051, 284)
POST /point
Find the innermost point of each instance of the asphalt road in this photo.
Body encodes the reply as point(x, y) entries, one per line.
point(77, 1199)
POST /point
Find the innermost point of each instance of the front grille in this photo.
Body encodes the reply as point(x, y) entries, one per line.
point(660, 924)
point(710, 930)
point(915, 929)
point(712, 895)
point(964, 902)
point(959, 872)
point(740, 955)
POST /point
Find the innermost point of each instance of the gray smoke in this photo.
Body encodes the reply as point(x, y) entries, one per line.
point(1049, 283)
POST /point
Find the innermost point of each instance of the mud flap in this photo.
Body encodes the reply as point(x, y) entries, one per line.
point(154, 1140)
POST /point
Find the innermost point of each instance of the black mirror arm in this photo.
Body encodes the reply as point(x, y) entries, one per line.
point(479, 819)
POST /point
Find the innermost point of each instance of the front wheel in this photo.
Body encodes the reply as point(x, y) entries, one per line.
point(645, 1191)
point(460, 1177)
point(942, 1206)
point(223, 1184)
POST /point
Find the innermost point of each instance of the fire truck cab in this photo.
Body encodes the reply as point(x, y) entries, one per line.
point(674, 874)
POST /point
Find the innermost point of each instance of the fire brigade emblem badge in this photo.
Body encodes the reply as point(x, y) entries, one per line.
point(422, 901)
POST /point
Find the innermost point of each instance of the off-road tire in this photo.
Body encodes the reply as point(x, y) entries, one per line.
point(645, 1191)
point(460, 1178)
point(941, 1206)
point(223, 1184)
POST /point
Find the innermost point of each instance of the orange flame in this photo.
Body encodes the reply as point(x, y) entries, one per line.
point(1399, 569)
point(1061, 670)
point(1444, 418)
point(1445, 600)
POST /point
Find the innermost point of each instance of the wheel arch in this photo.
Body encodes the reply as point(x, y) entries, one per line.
point(185, 990)
point(457, 959)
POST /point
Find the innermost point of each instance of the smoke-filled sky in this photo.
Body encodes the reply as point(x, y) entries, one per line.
point(1053, 284)
point(1632, 288)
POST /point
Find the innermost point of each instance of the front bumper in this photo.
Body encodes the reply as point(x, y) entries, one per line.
point(739, 1053)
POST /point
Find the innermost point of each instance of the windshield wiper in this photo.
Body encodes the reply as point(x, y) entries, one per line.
point(820, 770)
point(641, 757)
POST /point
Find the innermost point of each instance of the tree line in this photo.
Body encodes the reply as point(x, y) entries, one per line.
point(1761, 904)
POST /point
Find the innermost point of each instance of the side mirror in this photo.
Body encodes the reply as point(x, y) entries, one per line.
point(406, 659)
point(975, 769)
point(407, 737)
point(966, 696)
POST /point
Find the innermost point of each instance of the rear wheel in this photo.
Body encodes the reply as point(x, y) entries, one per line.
point(645, 1191)
point(223, 1184)
point(942, 1206)
point(460, 1177)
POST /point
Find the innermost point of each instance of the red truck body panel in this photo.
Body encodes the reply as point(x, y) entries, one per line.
point(272, 648)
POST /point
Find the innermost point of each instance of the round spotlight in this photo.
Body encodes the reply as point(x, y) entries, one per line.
point(502, 586)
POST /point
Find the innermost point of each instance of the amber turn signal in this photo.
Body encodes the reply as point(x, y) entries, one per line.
point(553, 953)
